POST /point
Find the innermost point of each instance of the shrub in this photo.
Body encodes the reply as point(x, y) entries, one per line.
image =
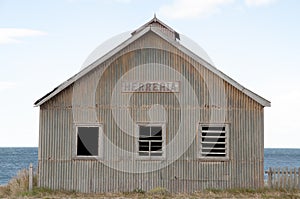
point(138, 190)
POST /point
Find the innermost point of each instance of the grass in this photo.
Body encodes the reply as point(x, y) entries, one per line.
point(17, 185)
point(18, 188)
point(161, 193)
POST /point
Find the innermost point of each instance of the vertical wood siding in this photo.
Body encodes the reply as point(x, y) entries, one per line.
point(58, 169)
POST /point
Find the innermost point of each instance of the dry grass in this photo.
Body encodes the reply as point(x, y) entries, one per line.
point(161, 193)
point(17, 185)
point(18, 188)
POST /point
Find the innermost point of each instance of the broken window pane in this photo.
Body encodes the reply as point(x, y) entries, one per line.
point(87, 141)
point(150, 141)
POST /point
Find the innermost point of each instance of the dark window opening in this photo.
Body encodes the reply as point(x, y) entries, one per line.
point(213, 141)
point(87, 141)
point(150, 141)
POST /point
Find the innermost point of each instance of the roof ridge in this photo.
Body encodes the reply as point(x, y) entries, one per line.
point(156, 20)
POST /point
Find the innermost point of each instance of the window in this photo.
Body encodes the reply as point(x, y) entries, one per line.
point(88, 141)
point(213, 141)
point(151, 141)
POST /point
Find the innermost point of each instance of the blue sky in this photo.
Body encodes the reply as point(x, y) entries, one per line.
point(43, 43)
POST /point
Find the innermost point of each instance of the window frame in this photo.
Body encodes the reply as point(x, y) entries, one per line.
point(137, 136)
point(199, 148)
point(100, 141)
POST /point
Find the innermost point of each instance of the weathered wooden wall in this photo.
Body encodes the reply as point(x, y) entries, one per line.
point(58, 169)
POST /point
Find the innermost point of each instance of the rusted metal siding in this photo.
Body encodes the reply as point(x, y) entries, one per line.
point(58, 169)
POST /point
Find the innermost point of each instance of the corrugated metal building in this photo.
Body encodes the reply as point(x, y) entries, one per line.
point(149, 109)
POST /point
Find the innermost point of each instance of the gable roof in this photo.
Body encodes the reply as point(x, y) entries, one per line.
point(157, 21)
point(184, 44)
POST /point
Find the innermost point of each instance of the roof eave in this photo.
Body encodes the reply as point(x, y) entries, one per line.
point(67, 83)
point(206, 64)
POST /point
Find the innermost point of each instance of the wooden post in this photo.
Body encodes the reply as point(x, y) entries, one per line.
point(30, 177)
point(288, 178)
point(279, 177)
point(284, 170)
point(295, 179)
point(276, 178)
point(270, 178)
point(299, 178)
point(291, 184)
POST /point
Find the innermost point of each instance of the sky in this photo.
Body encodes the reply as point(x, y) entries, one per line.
point(43, 43)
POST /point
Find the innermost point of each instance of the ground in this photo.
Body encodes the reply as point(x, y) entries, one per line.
point(156, 193)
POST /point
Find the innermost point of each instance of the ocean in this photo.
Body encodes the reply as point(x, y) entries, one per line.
point(14, 159)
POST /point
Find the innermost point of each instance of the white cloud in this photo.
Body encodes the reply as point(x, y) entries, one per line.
point(13, 35)
point(191, 8)
point(7, 85)
point(259, 2)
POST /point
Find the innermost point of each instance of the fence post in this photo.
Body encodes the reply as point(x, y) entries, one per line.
point(277, 182)
point(291, 179)
point(295, 179)
point(284, 170)
point(30, 177)
point(299, 178)
point(279, 178)
point(270, 178)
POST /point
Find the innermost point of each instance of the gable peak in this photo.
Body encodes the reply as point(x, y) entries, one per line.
point(158, 24)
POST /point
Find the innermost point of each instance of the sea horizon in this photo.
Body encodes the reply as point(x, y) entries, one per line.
point(37, 147)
